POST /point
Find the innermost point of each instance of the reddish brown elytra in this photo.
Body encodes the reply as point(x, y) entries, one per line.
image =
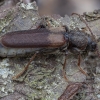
point(41, 38)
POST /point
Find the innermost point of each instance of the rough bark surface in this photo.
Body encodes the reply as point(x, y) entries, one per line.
point(44, 79)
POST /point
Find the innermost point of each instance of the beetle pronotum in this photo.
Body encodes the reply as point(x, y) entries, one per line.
point(43, 39)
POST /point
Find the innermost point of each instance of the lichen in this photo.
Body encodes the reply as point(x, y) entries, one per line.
point(29, 6)
point(4, 71)
point(6, 20)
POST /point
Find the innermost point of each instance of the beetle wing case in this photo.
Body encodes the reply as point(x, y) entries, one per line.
point(33, 39)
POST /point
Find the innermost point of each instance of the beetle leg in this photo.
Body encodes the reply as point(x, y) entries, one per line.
point(64, 66)
point(25, 69)
point(79, 61)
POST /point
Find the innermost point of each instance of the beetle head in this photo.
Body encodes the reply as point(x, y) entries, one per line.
point(92, 46)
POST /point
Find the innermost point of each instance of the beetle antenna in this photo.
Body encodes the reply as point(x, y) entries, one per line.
point(85, 23)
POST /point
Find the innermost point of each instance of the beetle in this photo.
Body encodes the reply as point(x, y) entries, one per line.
point(44, 40)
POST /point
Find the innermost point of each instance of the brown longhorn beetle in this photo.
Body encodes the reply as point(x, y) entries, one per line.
point(43, 40)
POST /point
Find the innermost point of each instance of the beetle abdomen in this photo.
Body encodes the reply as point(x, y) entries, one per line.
point(33, 39)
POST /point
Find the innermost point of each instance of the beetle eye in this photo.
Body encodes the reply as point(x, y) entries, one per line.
point(93, 46)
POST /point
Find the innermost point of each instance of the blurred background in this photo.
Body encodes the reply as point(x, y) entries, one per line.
point(61, 7)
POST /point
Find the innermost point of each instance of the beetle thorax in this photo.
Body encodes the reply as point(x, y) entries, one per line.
point(78, 39)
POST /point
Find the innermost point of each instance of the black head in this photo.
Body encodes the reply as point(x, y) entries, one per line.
point(92, 46)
